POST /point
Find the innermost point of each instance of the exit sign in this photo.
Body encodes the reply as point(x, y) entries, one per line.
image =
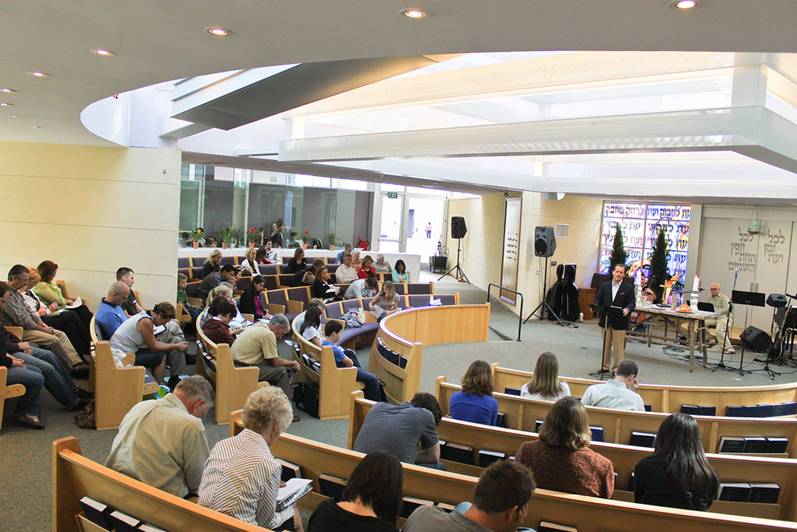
point(392, 195)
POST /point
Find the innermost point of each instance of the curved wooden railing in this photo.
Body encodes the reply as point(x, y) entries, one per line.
point(397, 353)
point(665, 397)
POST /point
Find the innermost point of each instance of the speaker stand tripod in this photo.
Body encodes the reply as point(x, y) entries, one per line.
point(459, 273)
point(544, 307)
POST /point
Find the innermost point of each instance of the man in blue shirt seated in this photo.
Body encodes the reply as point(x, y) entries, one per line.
point(332, 331)
point(110, 314)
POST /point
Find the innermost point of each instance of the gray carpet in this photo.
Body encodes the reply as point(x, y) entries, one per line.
point(25, 465)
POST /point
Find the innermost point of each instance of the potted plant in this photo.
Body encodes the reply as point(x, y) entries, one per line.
point(253, 235)
point(226, 237)
point(332, 242)
point(236, 236)
point(196, 234)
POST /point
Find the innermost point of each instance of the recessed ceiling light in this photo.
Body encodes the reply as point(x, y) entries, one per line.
point(8, 90)
point(218, 31)
point(103, 52)
point(6, 104)
point(37, 127)
point(14, 116)
point(415, 12)
point(683, 4)
point(39, 74)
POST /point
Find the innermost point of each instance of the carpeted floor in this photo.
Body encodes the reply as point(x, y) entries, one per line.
point(25, 464)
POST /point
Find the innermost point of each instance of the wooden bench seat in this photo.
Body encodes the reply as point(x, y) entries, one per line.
point(522, 414)
point(624, 458)
point(75, 476)
point(665, 397)
point(587, 514)
point(8, 391)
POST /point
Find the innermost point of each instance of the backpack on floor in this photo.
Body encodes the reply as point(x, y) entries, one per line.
point(85, 418)
point(305, 396)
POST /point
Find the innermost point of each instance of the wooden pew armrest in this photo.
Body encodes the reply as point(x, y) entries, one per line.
point(294, 307)
point(273, 308)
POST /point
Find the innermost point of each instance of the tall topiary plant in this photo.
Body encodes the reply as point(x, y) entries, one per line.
point(619, 255)
point(658, 264)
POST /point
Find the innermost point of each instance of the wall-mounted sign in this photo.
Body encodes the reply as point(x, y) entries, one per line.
point(511, 253)
point(392, 195)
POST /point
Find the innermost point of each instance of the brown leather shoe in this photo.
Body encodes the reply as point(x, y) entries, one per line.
point(28, 421)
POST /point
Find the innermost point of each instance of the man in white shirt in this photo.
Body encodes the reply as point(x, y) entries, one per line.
point(162, 443)
point(346, 273)
point(367, 287)
point(618, 393)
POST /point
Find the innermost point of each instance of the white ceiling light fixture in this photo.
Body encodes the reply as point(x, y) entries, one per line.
point(683, 5)
point(415, 13)
point(8, 90)
point(14, 116)
point(37, 127)
point(6, 104)
point(103, 52)
point(218, 31)
point(39, 74)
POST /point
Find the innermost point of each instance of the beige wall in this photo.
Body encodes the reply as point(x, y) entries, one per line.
point(91, 210)
point(483, 243)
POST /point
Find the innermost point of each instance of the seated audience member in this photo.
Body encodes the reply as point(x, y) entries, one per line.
point(137, 335)
point(49, 292)
point(346, 249)
point(226, 275)
point(182, 297)
point(475, 403)
point(355, 259)
point(619, 393)
point(217, 328)
point(397, 430)
point(306, 278)
point(367, 269)
point(28, 410)
point(250, 263)
point(212, 264)
point(381, 265)
point(264, 253)
point(128, 277)
point(55, 377)
point(500, 504)
point(399, 274)
point(110, 314)
point(677, 474)
point(346, 273)
point(370, 501)
point(162, 443)
point(372, 390)
point(545, 384)
point(311, 325)
point(16, 312)
point(561, 459)
point(314, 302)
point(387, 301)
point(296, 264)
point(221, 290)
point(242, 477)
point(257, 346)
point(293, 241)
point(362, 288)
point(67, 320)
point(322, 287)
point(271, 253)
point(253, 300)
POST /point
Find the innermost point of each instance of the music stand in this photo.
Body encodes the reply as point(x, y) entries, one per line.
point(748, 299)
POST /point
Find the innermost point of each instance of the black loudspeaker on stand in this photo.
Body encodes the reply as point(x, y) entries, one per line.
point(458, 231)
point(544, 246)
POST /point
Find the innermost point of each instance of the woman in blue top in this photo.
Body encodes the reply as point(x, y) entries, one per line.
point(475, 403)
point(400, 274)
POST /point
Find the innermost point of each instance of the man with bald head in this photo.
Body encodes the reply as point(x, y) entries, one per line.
point(111, 314)
point(722, 306)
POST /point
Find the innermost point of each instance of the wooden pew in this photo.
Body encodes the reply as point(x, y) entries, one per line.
point(116, 390)
point(588, 514)
point(8, 391)
point(522, 414)
point(334, 383)
point(624, 458)
point(75, 476)
point(406, 332)
point(668, 398)
point(232, 383)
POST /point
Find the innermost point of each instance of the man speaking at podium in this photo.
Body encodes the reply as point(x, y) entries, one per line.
point(615, 301)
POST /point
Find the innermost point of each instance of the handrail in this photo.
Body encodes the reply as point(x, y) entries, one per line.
point(520, 316)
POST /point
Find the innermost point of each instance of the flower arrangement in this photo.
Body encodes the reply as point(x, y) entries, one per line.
point(254, 236)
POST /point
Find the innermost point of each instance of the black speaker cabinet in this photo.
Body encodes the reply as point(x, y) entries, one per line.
point(544, 241)
point(755, 339)
point(458, 227)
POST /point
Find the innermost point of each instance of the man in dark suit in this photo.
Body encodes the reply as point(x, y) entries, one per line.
point(615, 301)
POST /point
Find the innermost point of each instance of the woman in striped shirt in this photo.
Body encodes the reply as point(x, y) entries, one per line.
point(242, 477)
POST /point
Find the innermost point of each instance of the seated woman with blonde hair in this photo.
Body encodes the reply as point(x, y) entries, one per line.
point(545, 384)
point(475, 403)
point(561, 459)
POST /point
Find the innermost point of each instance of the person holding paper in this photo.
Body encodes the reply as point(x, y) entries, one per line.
point(615, 301)
point(242, 477)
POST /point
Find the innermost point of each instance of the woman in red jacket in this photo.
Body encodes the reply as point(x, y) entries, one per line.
point(367, 269)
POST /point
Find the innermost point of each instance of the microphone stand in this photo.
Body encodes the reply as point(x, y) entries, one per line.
point(721, 363)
